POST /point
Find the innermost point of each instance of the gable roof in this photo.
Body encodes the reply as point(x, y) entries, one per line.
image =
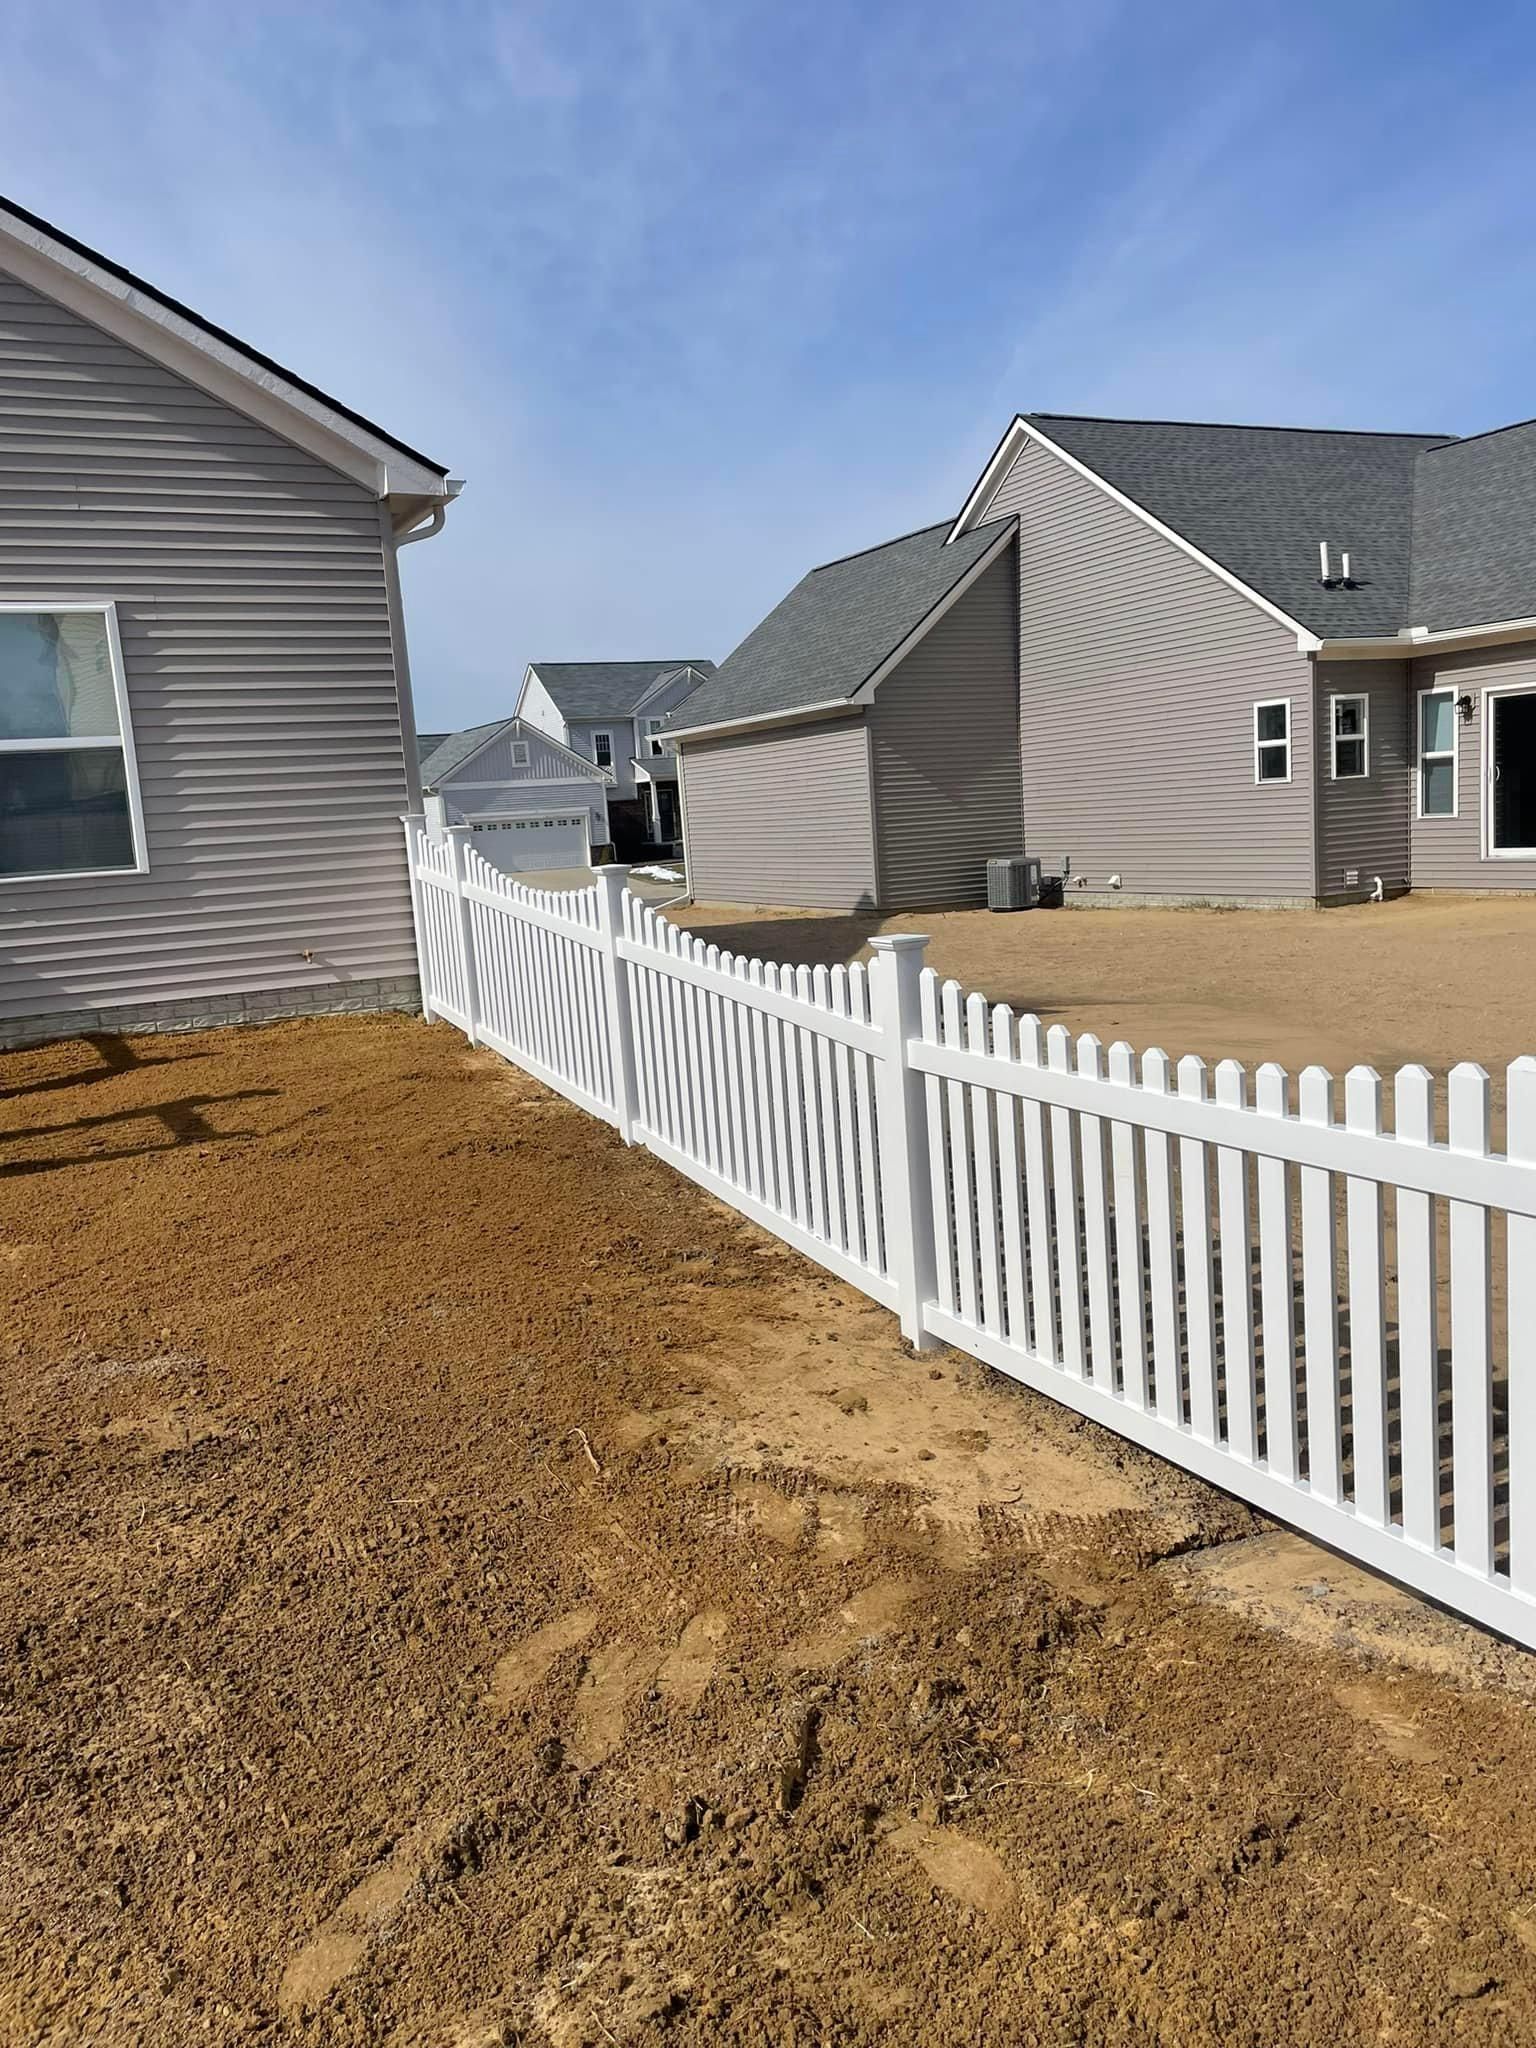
point(838, 627)
point(1258, 500)
point(104, 291)
point(456, 748)
point(427, 744)
point(606, 689)
point(1474, 530)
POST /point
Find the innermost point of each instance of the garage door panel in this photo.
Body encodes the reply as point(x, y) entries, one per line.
point(523, 845)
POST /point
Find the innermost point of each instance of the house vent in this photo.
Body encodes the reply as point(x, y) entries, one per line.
point(1014, 883)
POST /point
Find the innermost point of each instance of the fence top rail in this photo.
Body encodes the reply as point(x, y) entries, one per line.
point(832, 1001)
point(1393, 1159)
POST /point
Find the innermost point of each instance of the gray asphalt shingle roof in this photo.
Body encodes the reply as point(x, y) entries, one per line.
point(606, 689)
point(1474, 530)
point(427, 743)
point(455, 747)
point(1259, 499)
point(837, 626)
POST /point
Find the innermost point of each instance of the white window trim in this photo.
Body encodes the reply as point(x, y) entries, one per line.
point(1272, 781)
point(1436, 817)
point(1490, 851)
point(603, 733)
point(1363, 735)
point(123, 738)
point(522, 753)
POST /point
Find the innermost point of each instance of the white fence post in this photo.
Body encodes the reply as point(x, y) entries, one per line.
point(617, 999)
point(911, 1254)
point(456, 836)
point(414, 823)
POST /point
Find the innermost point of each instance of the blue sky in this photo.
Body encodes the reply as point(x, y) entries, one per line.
point(698, 294)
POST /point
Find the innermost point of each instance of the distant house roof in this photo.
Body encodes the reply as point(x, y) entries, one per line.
point(1258, 500)
point(427, 744)
point(838, 626)
point(606, 689)
point(455, 748)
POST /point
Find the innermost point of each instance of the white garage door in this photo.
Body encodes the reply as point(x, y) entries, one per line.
point(517, 845)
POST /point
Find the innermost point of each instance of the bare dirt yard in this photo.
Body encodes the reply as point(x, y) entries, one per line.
point(1424, 978)
point(461, 1586)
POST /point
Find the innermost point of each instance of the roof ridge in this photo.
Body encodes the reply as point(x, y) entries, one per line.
point(879, 546)
point(1488, 433)
point(671, 661)
point(1093, 419)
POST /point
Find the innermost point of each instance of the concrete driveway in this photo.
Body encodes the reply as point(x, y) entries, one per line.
point(581, 878)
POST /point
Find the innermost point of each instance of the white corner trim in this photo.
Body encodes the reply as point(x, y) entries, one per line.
point(224, 372)
point(974, 511)
point(929, 620)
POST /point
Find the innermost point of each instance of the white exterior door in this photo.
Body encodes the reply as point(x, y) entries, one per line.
point(522, 845)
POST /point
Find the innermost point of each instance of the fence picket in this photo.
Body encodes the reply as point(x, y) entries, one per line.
point(1367, 1310)
point(831, 1139)
point(1129, 1283)
point(1236, 1276)
point(1037, 1197)
point(962, 1215)
point(1471, 1336)
point(869, 1165)
point(1162, 1252)
point(1010, 1189)
point(1069, 1246)
point(1101, 1313)
point(1520, 1362)
point(1320, 1299)
point(1277, 1289)
point(1199, 1283)
point(1418, 1346)
point(842, 1058)
point(988, 1254)
point(938, 1150)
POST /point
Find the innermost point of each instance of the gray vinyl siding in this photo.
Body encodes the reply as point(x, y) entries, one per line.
point(781, 817)
point(1448, 852)
point(1362, 823)
point(490, 784)
point(944, 751)
point(254, 608)
point(1139, 672)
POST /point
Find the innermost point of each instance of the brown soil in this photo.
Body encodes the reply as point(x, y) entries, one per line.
point(462, 1587)
point(1430, 978)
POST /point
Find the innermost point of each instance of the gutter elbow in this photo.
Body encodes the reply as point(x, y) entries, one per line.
point(433, 526)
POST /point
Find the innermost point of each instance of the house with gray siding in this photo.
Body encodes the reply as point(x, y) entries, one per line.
point(526, 801)
point(206, 741)
point(612, 713)
point(1181, 663)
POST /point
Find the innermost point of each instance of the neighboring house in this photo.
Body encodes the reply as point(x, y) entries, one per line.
point(611, 712)
point(205, 729)
point(528, 800)
point(1204, 706)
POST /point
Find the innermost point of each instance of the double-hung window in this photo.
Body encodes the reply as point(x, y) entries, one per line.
point(1351, 738)
point(69, 797)
point(519, 753)
point(1272, 740)
point(602, 749)
point(1437, 753)
point(653, 743)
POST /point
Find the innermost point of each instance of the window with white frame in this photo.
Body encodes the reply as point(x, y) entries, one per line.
point(1437, 753)
point(652, 727)
point(520, 754)
point(69, 798)
point(1272, 740)
point(602, 749)
point(1351, 738)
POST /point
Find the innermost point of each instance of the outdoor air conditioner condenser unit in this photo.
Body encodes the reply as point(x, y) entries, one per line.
point(1014, 883)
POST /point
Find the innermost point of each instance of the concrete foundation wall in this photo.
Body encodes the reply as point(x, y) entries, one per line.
point(201, 1013)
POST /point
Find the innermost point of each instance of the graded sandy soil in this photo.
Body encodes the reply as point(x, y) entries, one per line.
point(461, 1586)
point(1429, 978)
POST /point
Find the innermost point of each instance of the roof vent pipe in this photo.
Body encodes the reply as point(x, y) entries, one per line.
point(1328, 580)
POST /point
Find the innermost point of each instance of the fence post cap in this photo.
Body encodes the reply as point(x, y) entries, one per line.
point(899, 942)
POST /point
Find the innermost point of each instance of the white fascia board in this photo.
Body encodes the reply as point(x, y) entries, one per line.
point(224, 372)
point(799, 714)
point(926, 624)
point(973, 513)
point(1420, 640)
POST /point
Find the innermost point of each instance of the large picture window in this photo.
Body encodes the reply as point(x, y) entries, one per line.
point(69, 800)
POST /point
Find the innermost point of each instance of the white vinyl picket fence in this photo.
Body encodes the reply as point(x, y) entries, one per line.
point(1333, 1319)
